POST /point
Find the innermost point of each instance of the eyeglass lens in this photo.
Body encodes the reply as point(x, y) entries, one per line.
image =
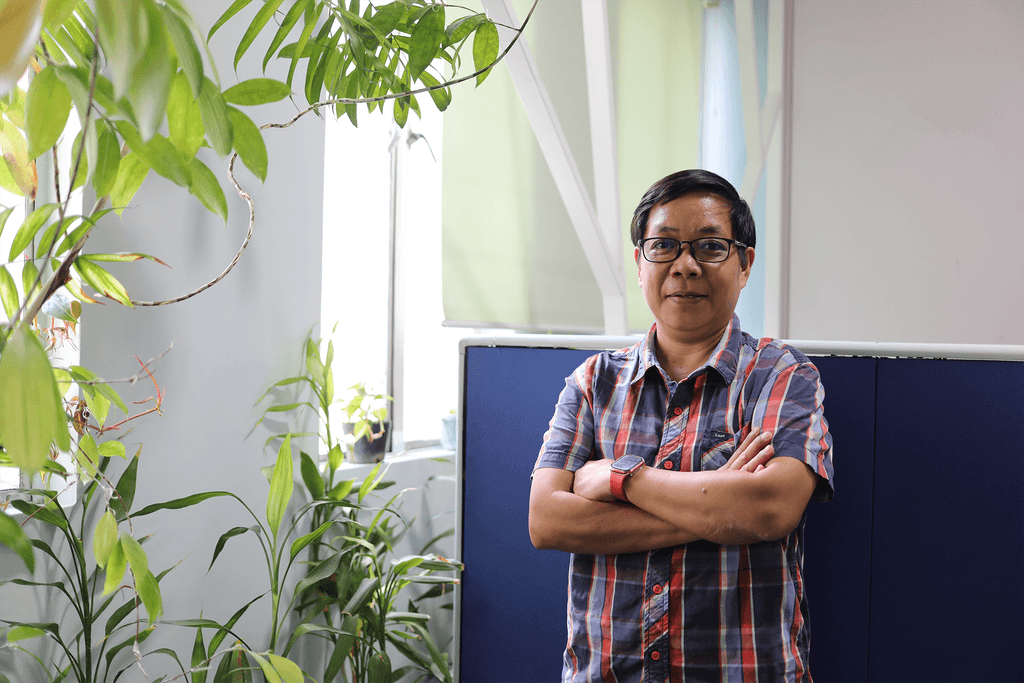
point(708, 249)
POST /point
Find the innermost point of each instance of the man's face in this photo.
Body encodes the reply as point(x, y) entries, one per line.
point(692, 301)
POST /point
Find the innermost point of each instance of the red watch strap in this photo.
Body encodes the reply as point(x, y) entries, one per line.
point(618, 479)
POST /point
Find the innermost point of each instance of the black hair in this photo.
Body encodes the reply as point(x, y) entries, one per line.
point(696, 180)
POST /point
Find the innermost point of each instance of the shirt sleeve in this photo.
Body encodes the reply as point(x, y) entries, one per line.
point(569, 441)
point(791, 407)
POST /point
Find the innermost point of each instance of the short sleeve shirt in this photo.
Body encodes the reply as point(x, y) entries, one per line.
point(699, 611)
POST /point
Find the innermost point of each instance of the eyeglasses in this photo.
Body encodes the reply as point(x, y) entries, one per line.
point(705, 249)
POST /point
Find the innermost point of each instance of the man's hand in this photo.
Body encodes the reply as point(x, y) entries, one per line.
point(593, 480)
point(753, 453)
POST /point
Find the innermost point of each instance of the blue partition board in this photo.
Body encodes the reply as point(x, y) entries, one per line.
point(915, 571)
point(947, 569)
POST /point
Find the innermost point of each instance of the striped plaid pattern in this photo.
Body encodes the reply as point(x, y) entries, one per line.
point(699, 612)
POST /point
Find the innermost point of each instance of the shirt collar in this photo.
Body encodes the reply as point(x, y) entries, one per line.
point(723, 359)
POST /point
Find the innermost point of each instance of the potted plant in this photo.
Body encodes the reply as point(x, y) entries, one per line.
point(366, 415)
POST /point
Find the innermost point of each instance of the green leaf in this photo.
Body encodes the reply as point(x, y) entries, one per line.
point(149, 590)
point(150, 77)
point(460, 29)
point(121, 503)
point(442, 96)
point(12, 536)
point(249, 144)
point(214, 111)
point(116, 565)
point(236, 6)
point(19, 172)
point(269, 672)
point(4, 215)
point(311, 476)
point(339, 492)
point(299, 543)
point(131, 173)
point(207, 190)
point(184, 122)
point(289, 671)
point(257, 91)
point(24, 633)
point(57, 12)
point(222, 541)
point(199, 658)
point(8, 293)
point(46, 111)
point(137, 559)
point(102, 281)
point(82, 374)
point(122, 35)
point(185, 46)
point(158, 153)
point(362, 595)
point(387, 17)
point(103, 538)
point(370, 482)
point(485, 49)
point(425, 40)
point(289, 21)
point(108, 159)
point(379, 668)
point(27, 232)
point(258, 22)
point(281, 486)
point(31, 413)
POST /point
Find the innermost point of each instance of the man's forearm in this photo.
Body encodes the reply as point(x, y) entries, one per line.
point(562, 520)
point(726, 507)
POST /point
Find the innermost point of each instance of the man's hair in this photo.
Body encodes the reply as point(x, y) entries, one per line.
point(696, 180)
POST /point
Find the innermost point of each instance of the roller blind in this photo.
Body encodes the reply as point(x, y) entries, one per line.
point(510, 255)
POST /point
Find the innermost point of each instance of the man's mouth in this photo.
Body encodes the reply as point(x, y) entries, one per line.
point(688, 295)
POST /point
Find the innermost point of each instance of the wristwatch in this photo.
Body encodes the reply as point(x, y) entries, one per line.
point(623, 467)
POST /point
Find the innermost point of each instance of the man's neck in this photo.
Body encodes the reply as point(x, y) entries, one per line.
point(678, 358)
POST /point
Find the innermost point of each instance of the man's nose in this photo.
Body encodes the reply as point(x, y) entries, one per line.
point(685, 263)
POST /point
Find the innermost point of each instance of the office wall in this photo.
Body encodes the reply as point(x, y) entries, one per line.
point(907, 188)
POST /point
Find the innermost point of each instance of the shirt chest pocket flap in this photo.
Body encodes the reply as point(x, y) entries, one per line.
point(716, 447)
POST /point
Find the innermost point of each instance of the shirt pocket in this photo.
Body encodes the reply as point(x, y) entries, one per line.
point(716, 447)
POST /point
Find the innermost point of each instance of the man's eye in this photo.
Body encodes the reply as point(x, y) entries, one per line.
point(712, 246)
point(663, 245)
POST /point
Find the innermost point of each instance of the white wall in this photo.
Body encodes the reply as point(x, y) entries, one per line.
point(907, 203)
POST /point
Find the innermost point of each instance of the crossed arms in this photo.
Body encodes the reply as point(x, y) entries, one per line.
point(753, 497)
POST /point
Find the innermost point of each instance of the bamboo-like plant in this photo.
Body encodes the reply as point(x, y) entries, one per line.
point(141, 81)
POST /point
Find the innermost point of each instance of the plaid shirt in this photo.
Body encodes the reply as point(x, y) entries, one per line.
point(699, 611)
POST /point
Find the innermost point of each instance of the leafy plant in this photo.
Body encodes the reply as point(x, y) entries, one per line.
point(352, 587)
point(141, 81)
point(366, 411)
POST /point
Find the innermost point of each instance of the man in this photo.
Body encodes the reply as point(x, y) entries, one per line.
point(677, 472)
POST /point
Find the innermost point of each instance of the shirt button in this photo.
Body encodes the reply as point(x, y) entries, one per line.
point(655, 655)
point(667, 464)
point(657, 588)
point(677, 411)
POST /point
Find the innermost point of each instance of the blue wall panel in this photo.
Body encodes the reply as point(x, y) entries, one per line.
point(947, 595)
point(914, 571)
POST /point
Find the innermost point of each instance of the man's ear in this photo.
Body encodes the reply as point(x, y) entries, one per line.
point(745, 272)
point(636, 257)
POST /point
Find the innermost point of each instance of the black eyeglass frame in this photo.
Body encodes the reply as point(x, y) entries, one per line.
point(679, 248)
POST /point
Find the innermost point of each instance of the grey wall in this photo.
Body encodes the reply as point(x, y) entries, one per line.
point(229, 344)
point(907, 204)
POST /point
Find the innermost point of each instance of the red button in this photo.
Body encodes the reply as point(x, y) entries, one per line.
point(657, 588)
point(667, 464)
point(677, 411)
point(655, 655)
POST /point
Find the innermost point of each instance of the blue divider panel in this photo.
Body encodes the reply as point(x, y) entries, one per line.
point(947, 568)
point(914, 571)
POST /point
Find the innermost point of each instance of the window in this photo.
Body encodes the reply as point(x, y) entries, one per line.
point(382, 269)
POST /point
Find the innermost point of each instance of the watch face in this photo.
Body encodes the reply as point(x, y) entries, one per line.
point(627, 463)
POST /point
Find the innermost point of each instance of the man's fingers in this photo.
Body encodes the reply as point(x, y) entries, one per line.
point(757, 462)
point(752, 449)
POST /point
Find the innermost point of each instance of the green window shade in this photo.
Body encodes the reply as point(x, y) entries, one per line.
point(511, 257)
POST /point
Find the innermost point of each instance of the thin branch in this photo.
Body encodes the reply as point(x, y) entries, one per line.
point(144, 372)
point(248, 199)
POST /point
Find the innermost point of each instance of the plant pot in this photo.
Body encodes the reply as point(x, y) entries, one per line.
point(366, 451)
